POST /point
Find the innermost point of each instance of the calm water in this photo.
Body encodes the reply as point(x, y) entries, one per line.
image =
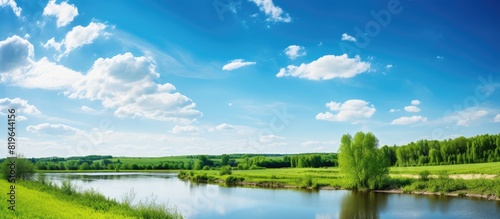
point(212, 201)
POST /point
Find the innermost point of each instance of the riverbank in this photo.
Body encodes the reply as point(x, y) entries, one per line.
point(479, 186)
point(35, 199)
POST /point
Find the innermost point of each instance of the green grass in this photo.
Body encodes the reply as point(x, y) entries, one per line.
point(319, 177)
point(479, 168)
point(39, 200)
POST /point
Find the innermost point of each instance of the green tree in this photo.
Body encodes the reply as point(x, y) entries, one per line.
point(363, 165)
point(24, 168)
point(225, 170)
point(198, 164)
point(224, 159)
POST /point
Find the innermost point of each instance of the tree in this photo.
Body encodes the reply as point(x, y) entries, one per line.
point(24, 169)
point(224, 159)
point(363, 165)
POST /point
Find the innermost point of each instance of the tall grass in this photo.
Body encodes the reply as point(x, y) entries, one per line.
point(93, 200)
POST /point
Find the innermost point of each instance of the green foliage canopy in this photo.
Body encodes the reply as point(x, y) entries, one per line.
point(363, 165)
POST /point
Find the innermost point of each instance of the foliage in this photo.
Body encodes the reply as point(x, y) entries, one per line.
point(225, 170)
point(24, 168)
point(45, 200)
point(363, 165)
point(424, 175)
point(461, 150)
point(233, 180)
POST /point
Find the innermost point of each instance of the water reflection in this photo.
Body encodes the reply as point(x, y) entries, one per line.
point(202, 201)
point(362, 205)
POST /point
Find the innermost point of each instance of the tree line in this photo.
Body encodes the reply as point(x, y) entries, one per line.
point(461, 150)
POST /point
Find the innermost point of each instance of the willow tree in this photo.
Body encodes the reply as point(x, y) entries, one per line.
point(361, 162)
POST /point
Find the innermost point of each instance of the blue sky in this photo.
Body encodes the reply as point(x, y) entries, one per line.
point(159, 78)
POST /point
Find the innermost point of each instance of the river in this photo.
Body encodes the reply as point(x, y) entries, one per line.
point(199, 201)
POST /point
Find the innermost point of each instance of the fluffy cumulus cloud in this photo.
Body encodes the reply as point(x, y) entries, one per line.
point(412, 109)
point(15, 52)
point(77, 37)
point(497, 118)
point(64, 12)
point(347, 37)
point(188, 129)
point(294, 51)
point(326, 68)
point(351, 110)
point(19, 68)
point(389, 66)
point(235, 64)
point(224, 127)
point(19, 104)
point(273, 12)
point(12, 4)
point(126, 83)
point(393, 110)
point(405, 120)
point(53, 129)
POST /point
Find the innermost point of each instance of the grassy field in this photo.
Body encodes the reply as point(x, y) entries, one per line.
point(38, 200)
point(331, 178)
point(479, 168)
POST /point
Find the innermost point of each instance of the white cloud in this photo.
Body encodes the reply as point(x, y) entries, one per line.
point(466, 117)
point(77, 37)
point(15, 52)
point(270, 138)
point(20, 69)
point(347, 37)
point(87, 109)
point(497, 118)
point(388, 66)
point(350, 110)
point(19, 104)
point(415, 102)
point(17, 10)
point(273, 12)
point(64, 12)
point(412, 109)
point(235, 64)
point(294, 51)
point(53, 129)
point(126, 83)
point(439, 58)
point(405, 120)
point(45, 75)
point(326, 68)
point(393, 110)
point(185, 130)
point(52, 43)
point(224, 127)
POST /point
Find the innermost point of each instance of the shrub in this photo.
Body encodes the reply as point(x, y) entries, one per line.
point(424, 175)
point(232, 180)
point(206, 168)
point(24, 169)
point(225, 170)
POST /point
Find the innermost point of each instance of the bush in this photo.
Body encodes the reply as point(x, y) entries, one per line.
point(306, 182)
point(225, 170)
point(232, 180)
point(24, 169)
point(424, 175)
point(206, 168)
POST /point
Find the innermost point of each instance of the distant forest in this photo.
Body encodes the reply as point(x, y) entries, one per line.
point(478, 149)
